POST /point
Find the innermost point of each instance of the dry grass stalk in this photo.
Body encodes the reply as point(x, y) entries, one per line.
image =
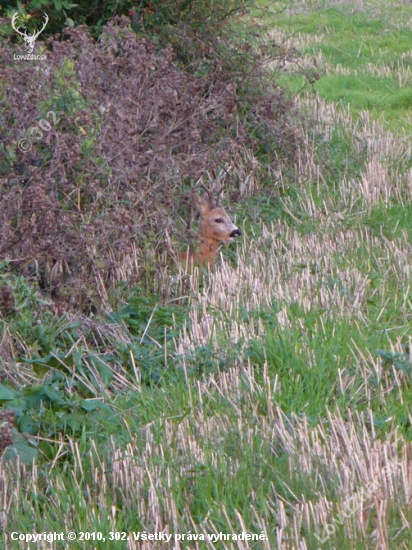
point(288, 267)
point(339, 452)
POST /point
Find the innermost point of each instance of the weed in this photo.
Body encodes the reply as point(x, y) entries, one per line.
point(269, 393)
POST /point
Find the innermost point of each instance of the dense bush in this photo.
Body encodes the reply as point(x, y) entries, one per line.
point(114, 133)
point(192, 27)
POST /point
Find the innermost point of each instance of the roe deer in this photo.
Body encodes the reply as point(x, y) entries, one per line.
point(215, 228)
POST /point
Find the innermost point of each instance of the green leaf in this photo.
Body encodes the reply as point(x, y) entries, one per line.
point(17, 405)
point(75, 421)
point(55, 396)
point(92, 404)
point(6, 393)
point(49, 360)
point(26, 424)
point(47, 449)
point(23, 450)
point(35, 395)
point(21, 8)
point(68, 6)
point(100, 364)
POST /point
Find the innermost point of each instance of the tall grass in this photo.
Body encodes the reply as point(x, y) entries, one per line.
point(270, 396)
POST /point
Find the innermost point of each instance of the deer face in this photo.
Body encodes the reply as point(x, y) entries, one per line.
point(215, 224)
point(215, 228)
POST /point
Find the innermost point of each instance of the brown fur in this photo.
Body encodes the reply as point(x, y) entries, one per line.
point(215, 228)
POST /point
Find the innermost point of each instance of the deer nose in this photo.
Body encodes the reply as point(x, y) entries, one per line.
point(236, 233)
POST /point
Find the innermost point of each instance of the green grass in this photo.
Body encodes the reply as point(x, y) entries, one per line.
point(390, 222)
point(357, 40)
point(269, 392)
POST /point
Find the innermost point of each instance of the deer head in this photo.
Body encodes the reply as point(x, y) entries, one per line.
point(29, 39)
point(215, 227)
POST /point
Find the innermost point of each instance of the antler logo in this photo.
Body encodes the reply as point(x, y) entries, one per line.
point(29, 39)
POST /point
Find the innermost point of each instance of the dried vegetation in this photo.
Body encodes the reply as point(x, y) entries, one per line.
point(97, 199)
point(300, 428)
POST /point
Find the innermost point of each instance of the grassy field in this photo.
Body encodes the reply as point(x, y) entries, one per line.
point(275, 398)
point(361, 51)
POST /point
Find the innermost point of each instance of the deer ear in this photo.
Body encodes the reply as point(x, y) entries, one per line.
point(201, 204)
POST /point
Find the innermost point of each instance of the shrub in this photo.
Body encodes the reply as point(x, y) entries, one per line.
point(119, 133)
point(163, 20)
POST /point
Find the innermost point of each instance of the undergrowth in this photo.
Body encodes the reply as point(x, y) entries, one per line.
point(268, 396)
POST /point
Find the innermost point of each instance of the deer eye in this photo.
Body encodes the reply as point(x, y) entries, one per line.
point(218, 220)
